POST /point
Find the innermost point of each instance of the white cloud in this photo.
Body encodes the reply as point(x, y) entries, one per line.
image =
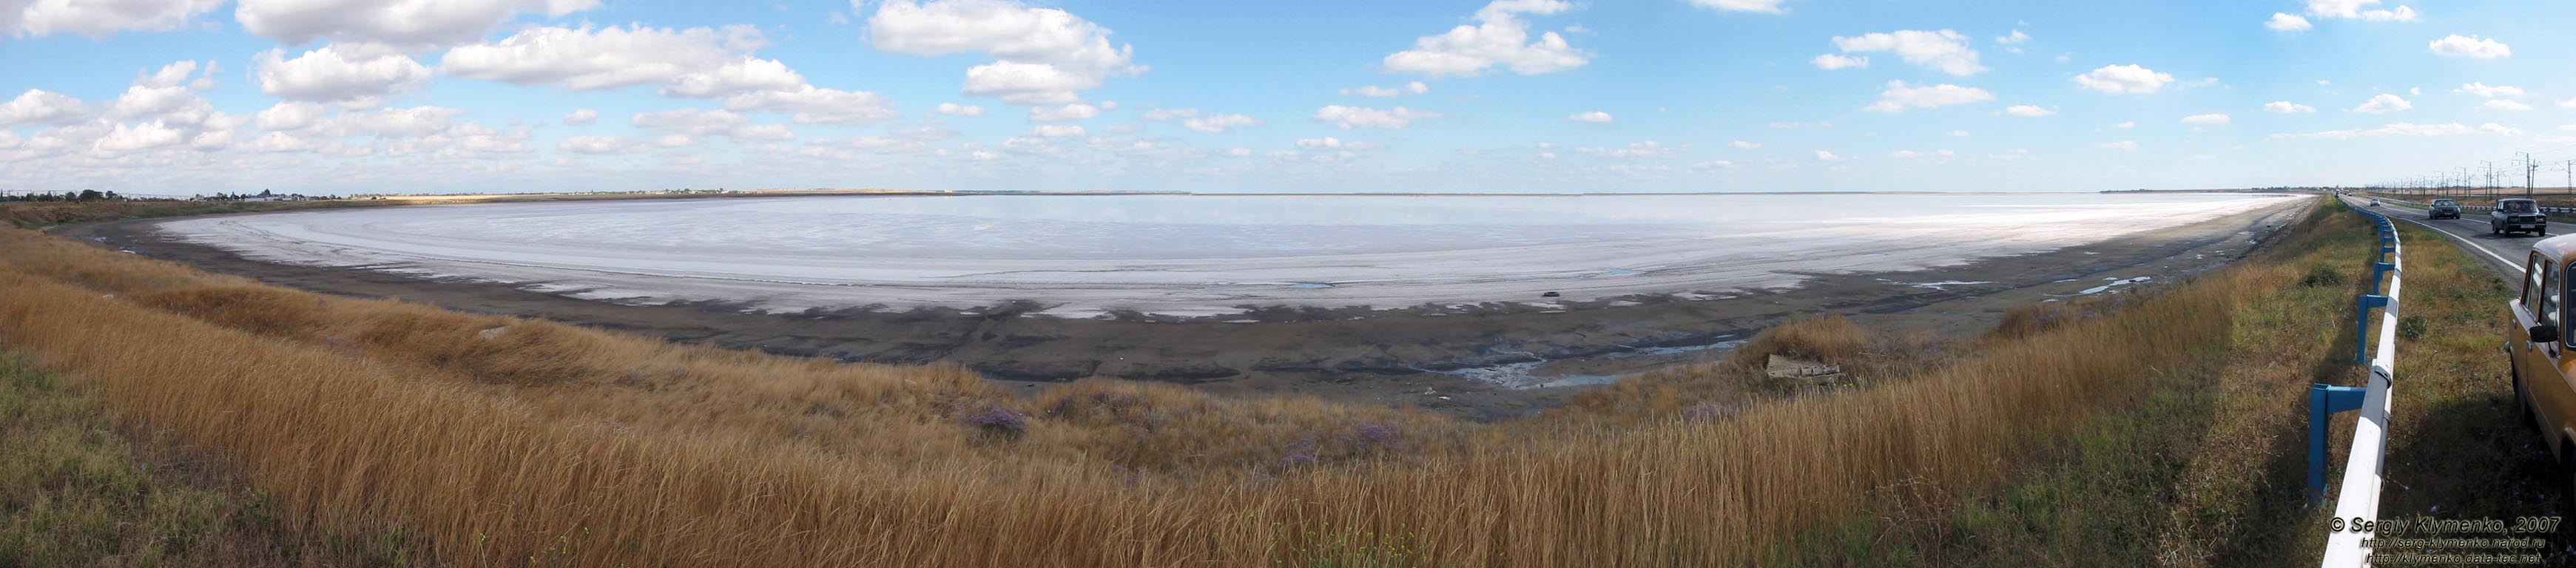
point(2401, 14)
point(1055, 130)
point(1595, 117)
point(1933, 156)
point(696, 122)
point(2128, 124)
point(2117, 79)
point(97, 19)
point(2211, 119)
point(412, 23)
point(954, 109)
point(808, 104)
point(581, 117)
point(1824, 156)
point(2504, 104)
point(2287, 107)
point(1066, 113)
point(1743, 145)
point(1959, 133)
point(2472, 47)
point(1646, 149)
point(290, 115)
point(1238, 152)
point(2120, 145)
point(2286, 23)
point(2569, 102)
point(1765, 6)
point(2409, 129)
point(695, 62)
point(611, 145)
point(2384, 103)
point(41, 107)
point(1899, 97)
point(1043, 56)
point(1360, 117)
point(2012, 43)
point(1831, 61)
point(2028, 111)
point(1499, 38)
point(127, 138)
point(352, 77)
point(1374, 91)
point(1331, 143)
point(1219, 123)
point(1945, 51)
point(2481, 89)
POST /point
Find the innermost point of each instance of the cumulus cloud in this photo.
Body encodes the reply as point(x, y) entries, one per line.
point(1043, 56)
point(40, 107)
point(2409, 129)
point(697, 122)
point(1945, 51)
point(808, 104)
point(1331, 143)
point(2211, 119)
point(2384, 103)
point(2118, 79)
point(416, 24)
point(96, 19)
point(954, 109)
point(1765, 6)
point(2482, 90)
point(1499, 38)
point(1899, 97)
point(1374, 91)
point(1055, 131)
point(2287, 107)
point(2472, 47)
point(695, 62)
point(351, 77)
point(1066, 113)
point(1595, 117)
point(1824, 156)
point(2028, 111)
point(1646, 149)
point(1359, 117)
point(2352, 10)
point(290, 115)
point(2120, 145)
point(1219, 123)
point(2012, 43)
point(2504, 104)
point(2286, 23)
point(1744, 145)
point(1831, 61)
point(581, 117)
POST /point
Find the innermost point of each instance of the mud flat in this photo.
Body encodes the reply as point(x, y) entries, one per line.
point(1456, 319)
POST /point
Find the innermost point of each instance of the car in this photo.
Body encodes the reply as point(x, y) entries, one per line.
point(2517, 215)
point(2443, 209)
point(2374, 202)
point(2542, 356)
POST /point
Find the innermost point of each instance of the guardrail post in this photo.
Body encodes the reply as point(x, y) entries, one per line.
point(2324, 400)
point(2377, 270)
point(2361, 335)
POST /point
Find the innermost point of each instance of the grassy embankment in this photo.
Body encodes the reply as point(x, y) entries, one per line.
point(498, 440)
point(2206, 468)
point(33, 215)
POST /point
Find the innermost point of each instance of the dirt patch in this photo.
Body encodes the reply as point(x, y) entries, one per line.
point(1420, 357)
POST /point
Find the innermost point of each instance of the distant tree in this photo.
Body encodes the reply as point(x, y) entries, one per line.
point(265, 193)
point(91, 195)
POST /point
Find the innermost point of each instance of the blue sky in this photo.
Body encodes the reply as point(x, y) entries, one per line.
point(182, 97)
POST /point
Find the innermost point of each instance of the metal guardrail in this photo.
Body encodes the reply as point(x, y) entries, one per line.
point(2357, 500)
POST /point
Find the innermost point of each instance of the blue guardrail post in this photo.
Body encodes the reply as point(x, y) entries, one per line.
point(2361, 332)
point(2324, 400)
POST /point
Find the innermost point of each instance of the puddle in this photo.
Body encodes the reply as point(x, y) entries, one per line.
point(1523, 375)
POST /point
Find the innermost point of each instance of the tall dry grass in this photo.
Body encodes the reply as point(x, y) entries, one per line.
point(559, 445)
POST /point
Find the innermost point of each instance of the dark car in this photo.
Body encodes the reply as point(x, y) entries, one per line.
point(2516, 216)
point(2443, 209)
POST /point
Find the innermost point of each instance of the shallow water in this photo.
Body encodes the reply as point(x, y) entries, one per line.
point(1191, 255)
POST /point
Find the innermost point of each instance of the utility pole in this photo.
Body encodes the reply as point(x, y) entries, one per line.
point(2529, 170)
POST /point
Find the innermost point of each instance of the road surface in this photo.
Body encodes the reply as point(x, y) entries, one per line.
point(2504, 252)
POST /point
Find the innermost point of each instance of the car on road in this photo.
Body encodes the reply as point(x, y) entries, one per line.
point(2543, 356)
point(2443, 209)
point(2516, 216)
point(2374, 202)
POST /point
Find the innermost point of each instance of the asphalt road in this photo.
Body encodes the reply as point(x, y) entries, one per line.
point(2504, 252)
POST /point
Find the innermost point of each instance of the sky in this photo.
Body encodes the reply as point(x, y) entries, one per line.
point(186, 97)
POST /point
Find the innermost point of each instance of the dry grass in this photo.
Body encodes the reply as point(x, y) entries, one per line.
point(552, 444)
